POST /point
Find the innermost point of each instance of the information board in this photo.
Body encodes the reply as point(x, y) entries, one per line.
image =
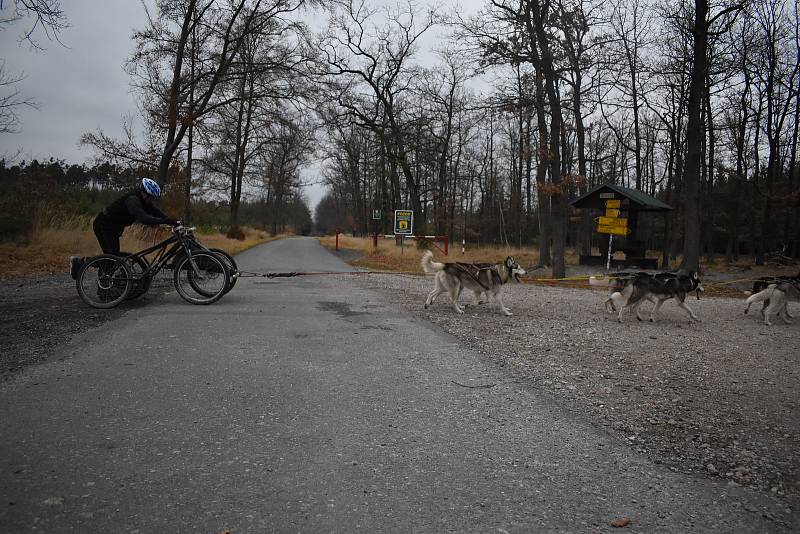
point(403, 222)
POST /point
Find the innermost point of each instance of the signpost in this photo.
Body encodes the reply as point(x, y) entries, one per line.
point(611, 221)
point(403, 225)
point(376, 218)
point(613, 230)
point(612, 224)
point(403, 222)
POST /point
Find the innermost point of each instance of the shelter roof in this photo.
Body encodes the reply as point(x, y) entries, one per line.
point(632, 199)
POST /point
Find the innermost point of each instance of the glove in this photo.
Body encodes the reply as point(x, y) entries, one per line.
point(172, 222)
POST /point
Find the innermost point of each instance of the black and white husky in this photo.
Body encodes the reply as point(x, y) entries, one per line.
point(776, 297)
point(453, 278)
point(657, 288)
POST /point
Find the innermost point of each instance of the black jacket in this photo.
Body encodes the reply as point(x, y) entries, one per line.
point(129, 209)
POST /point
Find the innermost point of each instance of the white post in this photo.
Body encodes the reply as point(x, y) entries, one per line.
point(610, 240)
point(463, 244)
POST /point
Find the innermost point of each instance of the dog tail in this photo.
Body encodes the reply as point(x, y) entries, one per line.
point(428, 265)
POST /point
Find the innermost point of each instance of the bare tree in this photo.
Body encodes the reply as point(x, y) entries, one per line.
point(442, 95)
point(631, 30)
point(777, 71)
point(11, 100)
point(705, 17)
point(369, 71)
point(158, 65)
point(47, 16)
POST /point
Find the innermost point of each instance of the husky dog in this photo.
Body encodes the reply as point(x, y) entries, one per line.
point(452, 278)
point(615, 282)
point(657, 288)
point(762, 283)
point(776, 299)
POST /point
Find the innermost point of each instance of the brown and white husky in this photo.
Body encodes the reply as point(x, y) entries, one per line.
point(452, 278)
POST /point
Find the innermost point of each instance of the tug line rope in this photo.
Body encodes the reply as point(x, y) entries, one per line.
point(583, 278)
point(292, 274)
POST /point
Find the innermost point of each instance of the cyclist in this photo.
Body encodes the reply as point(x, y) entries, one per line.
point(134, 206)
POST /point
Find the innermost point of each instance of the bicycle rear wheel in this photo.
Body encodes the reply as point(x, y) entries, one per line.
point(140, 283)
point(204, 282)
point(104, 281)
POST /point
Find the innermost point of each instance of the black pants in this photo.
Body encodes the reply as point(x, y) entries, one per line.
point(107, 236)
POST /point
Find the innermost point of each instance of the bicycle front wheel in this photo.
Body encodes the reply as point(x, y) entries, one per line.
point(104, 281)
point(230, 263)
point(201, 279)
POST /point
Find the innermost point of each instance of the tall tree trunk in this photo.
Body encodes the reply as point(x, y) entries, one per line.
point(187, 186)
point(709, 195)
point(792, 230)
point(541, 174)
point(694, 138)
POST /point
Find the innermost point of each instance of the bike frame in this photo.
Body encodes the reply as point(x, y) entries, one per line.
point(167, 250)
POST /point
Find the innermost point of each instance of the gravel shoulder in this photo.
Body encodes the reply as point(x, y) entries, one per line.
point(716, 399)
point(39, 314)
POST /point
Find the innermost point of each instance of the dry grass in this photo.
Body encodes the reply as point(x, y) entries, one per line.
point(390, 257)
point(48, 248)
point(252, 238)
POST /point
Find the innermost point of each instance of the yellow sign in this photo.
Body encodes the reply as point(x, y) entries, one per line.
point(612, 212)
point(610, 221)
point(613, 203)
point(616, 230)
point(403, 222)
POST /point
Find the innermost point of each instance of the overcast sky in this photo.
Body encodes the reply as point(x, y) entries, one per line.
point(80, 86)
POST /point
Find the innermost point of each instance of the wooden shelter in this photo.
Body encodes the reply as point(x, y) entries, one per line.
point(633, 203)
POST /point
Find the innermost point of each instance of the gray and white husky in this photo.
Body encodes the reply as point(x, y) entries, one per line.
point(776, 299)
point(453, 278)
point(657, 288)
point(762, 284)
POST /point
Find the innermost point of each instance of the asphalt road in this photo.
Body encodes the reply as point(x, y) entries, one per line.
point(312, 405)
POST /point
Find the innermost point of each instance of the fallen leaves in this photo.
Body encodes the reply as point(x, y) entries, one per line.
point(621, 522)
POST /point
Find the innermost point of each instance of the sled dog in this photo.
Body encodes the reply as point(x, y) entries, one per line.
point(657, 288)
point(616, 282)
point(762, 283)
point(776, 299)
point(453, 278)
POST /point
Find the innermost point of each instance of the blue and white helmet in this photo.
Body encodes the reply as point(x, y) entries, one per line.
point(151, 188)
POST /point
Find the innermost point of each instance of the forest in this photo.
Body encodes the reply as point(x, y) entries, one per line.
point(53, 194)
point(693, 103)
point(486, 121)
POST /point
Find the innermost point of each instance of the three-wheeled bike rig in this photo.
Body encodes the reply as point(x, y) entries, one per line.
point(200, 275)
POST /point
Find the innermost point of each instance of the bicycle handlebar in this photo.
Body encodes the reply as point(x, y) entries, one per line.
point(180, 229)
